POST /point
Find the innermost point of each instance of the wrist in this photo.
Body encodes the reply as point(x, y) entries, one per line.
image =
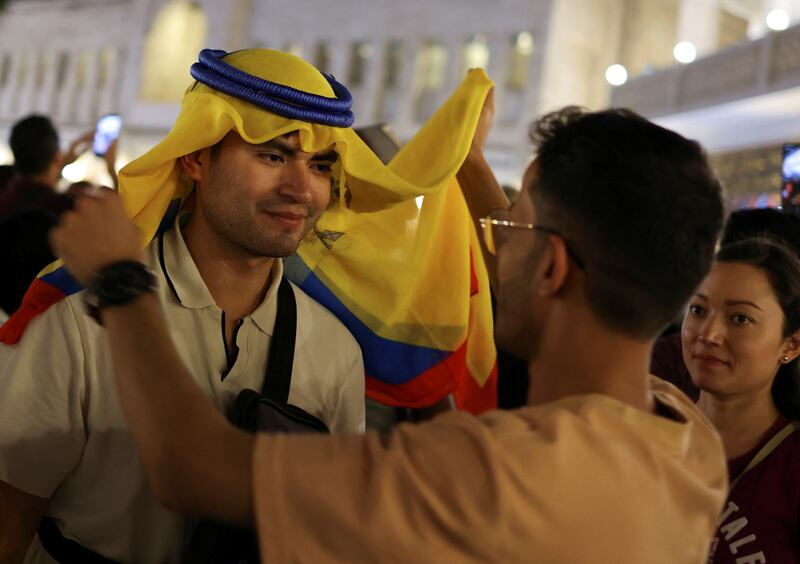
point(474, 162)
point(118, 283)
point(475, 154)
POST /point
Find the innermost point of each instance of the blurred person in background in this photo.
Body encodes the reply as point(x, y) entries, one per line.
point(30, 205)
point(741, 340)
point(38, 161)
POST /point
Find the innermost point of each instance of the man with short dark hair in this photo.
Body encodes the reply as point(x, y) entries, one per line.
point(30, 205)
point(38, 162)
point(615, 226)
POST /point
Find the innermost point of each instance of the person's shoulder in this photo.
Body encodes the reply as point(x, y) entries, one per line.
point(683, 407)
point(668, 392)
point(315, 320)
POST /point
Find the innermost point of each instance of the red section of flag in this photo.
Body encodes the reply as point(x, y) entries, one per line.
point(434, 384)
point(475, 399)
point(38, 298)
point(451, 376)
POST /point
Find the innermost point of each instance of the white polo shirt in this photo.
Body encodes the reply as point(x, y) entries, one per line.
point(62, 432)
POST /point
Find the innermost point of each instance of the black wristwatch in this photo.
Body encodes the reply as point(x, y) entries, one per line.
point(118, 283)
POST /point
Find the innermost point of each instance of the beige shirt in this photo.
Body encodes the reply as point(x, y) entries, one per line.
point(583, 480)
point(62, 432)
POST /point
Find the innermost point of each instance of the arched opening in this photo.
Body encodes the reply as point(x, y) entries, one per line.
point(178, 33)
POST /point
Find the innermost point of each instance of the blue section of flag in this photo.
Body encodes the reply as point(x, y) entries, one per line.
point(61, 278)
point(390, 361)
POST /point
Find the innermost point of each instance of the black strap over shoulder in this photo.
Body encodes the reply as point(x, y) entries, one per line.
point(213, 542)
point(268, 411)
point(278, 377)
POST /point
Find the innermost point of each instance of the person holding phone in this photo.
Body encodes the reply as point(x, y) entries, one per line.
point(38, 161)
point(30, 204)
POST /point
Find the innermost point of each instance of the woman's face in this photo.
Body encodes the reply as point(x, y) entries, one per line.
point(733, 331)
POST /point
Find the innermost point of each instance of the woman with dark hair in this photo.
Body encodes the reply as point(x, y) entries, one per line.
point(741, 340)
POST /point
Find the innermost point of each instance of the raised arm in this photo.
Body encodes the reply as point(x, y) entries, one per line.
point(481, 190)
point(195, 460)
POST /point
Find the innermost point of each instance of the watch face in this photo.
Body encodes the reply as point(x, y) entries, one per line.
point(120, 282)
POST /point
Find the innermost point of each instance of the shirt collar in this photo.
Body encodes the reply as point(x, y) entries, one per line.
point(188, 288)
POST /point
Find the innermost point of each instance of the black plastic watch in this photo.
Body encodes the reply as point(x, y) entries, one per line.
point(119, 283)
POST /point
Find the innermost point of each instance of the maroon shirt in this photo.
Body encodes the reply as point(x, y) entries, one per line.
point(759, 523)
point(22, 195)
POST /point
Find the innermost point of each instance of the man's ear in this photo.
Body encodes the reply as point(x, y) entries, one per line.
point(555, 275)
point(192, 165)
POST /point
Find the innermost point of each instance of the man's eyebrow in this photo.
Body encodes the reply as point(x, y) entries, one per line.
point(278, 145)
point(331, 156)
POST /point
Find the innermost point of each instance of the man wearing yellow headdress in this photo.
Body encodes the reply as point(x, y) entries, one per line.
point(262, 147)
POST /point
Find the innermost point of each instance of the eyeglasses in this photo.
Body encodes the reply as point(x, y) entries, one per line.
point(494, 234)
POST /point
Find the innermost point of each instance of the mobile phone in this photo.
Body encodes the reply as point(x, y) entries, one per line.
point(790, 178)
point(108, 128)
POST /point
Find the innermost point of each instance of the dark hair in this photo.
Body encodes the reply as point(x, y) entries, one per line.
point(638, 203)
point(782, 267)
point(34, 142)
point(779, 226)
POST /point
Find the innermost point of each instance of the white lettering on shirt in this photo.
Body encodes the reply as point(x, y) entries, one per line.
point(730, 531)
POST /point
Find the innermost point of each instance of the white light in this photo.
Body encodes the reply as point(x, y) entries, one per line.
point(778, 20)
point(525, 43)
point(6, 156)
point(476, 54)
point(419, 200)
point(76, 171)
point(616, 75)
point(685, 52)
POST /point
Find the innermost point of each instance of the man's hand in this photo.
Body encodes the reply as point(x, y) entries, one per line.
point(78, 147)
point(481, 190)
point(94, 234)
point(484, 124)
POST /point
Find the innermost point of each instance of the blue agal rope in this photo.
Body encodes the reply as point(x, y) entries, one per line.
point(279, 99)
